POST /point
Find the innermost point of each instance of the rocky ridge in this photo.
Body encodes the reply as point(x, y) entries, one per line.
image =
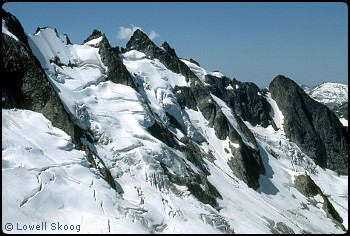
point(230, 108)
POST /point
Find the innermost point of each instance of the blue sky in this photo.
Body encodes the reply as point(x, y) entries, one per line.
point(254, 42)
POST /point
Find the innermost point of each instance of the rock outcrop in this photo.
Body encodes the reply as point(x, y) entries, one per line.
point(167, 55)
point(311, 125)
point(246, 99)
point(305, 185)
point(117, 72)
point(246, 163)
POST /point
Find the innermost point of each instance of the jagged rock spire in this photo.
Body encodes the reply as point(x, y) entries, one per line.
point(14, 26)
point(117, 71)
point(140, 41)
point(67, 39)
point(95, 34)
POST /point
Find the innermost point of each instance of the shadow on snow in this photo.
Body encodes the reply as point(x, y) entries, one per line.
point(266, 186)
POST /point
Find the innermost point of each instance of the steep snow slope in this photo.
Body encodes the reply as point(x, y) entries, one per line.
point(117, 118)
point(59, 185)
point(201, 72)
point(278, 153)
point(45, 179)
point(156, 82)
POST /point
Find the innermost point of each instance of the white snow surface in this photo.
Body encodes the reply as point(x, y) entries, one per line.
point(200, 72)
point(217, 74)
point(197, 70)
point(344, 121)
point(285, 156)
point(155, 82)
point(57, 185)
point(330, 94)
point(45, 179)
point(275, 113)
point(94, 41)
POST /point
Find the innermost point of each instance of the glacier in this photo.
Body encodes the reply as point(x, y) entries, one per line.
point(47, 179)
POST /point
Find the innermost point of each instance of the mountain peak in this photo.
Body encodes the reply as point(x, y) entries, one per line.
point(282, 81)
point(14, 27)
point(139, 33)
point(147, 141)
point(281, 77)
point(139, 41)
point(95, 35)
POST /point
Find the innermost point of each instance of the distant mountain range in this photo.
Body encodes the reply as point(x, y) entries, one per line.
point(135, 139)
point(334, 96)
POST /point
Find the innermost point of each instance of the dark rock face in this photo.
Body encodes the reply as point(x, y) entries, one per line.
point(56, 113)
point(15, 27)
point(246, 163)
point(194, 155)
point(168, 49)
point(163, 134)
point(117, 72)
point(246, 99)
point(67, 39)
point(140, 41)
point(185, 97)
point(305, 185)
point(311, 125)
point(283, 228)
point(19, 67)
point(94, 159)
point(194, 182)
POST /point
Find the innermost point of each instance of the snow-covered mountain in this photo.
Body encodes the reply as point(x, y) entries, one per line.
point(99, 139)
point(334, 96)
point(330, 94)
